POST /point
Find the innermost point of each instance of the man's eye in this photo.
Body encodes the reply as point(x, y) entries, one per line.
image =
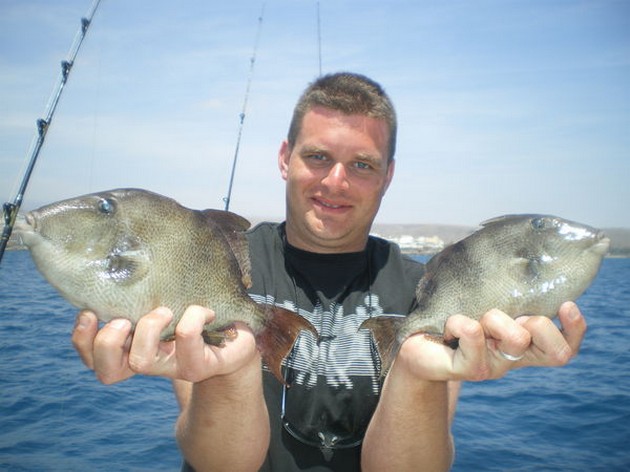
point(363, 165)
point(316, 159)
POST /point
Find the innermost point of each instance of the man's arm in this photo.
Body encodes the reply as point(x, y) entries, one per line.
point(223, 423)
point(410, 428)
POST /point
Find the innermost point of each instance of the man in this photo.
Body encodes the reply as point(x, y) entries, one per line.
point(337, 163)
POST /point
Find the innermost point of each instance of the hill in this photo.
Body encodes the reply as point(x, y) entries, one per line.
point(430, 238)
point(620, 241)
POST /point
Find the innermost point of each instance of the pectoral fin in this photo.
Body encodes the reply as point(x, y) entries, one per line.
point(384, 332)
point(127, 266)
point(276, 339)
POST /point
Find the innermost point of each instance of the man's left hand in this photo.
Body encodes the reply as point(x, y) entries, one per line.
point(495, 344)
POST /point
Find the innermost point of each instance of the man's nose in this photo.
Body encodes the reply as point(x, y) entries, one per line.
point(337, 177)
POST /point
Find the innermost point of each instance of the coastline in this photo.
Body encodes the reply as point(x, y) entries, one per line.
point(429, 239)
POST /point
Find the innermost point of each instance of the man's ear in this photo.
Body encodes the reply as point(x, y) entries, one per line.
point(283, 159)
point(390, 175)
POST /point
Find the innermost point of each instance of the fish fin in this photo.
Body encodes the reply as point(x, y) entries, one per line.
point(246, 281)
point(127, 266)
point(227, 220)
point(384, 330)
point(240, 248)
point(218, 337)
point(278, 335)
point(233, 226)
point(128, 261)
point(528, 265)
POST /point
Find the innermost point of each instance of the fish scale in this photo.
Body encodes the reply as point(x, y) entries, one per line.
point(521, 264)
point(121, 253)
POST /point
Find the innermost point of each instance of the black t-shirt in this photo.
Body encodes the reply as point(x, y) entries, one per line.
point(335, 382)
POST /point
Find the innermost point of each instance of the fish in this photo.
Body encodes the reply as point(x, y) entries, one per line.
point(121, 253)
point(526, 264)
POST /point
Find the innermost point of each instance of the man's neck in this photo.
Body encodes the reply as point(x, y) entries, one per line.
point(322, 246)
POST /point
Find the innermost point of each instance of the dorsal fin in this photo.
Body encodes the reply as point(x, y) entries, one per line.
point(233, 227)
point(227, 220)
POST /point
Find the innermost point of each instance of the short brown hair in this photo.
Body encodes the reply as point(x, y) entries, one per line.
point(348, 93)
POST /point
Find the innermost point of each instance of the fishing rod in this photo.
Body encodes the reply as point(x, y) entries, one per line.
point(319, 39)
point(227, 198)
point(10, 209)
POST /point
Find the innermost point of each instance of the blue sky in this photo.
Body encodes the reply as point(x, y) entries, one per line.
point(504, 106)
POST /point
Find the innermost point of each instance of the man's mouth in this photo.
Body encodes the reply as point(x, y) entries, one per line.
point(330, 205)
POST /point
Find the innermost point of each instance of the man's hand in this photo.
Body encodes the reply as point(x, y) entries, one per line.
point(115, 353)
point(490, 347)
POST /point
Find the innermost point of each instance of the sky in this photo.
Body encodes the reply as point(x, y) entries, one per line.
point(504, 106)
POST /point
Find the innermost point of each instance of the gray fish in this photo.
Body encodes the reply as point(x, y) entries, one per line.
point(122, 253)
point(520, 264)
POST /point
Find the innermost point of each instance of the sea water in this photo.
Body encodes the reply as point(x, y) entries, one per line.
point(54, 415)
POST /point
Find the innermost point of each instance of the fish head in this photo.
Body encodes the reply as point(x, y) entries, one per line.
point(552, 258)
point(85, 244)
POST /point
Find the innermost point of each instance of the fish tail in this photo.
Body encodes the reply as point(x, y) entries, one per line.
point(275, 340)
point(384, 332)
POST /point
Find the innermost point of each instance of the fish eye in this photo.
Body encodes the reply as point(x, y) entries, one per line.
point(538, 223)
point(106, 206)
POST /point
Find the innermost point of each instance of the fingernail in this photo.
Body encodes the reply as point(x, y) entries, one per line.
point(163, 311)
point(82, 321)
point(119, 324)
point(574, 312)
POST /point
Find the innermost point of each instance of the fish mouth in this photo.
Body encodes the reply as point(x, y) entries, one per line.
point(602, 244)
point(25, 229)
point(25, 223)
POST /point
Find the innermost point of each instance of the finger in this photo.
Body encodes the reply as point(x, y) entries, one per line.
point(427, 358)
point(83, 334)
point(549, 346)
point(573, 325)
point(470, 359)
point(191, 348)
point(111, 347)
point(508, 339)
point(143, 355)
point(193, 322)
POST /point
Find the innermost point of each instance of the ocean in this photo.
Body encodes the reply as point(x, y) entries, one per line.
point(55, 416)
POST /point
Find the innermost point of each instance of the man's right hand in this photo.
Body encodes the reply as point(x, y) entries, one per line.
point(115, 353)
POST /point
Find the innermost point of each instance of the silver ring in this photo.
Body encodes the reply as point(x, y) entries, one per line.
point(510, 357)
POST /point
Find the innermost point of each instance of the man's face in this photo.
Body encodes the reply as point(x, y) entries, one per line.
point(337, 174)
